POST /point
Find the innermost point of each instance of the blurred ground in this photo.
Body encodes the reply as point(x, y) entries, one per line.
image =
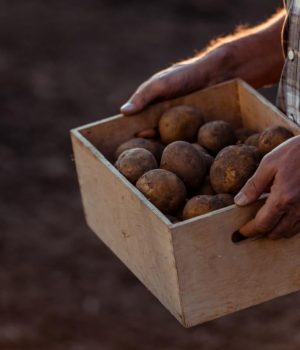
point(63, 64)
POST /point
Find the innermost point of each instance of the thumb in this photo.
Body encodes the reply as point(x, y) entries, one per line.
point(143, 96)
point(255, 186)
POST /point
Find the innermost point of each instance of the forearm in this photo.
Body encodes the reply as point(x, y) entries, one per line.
point(255, 55)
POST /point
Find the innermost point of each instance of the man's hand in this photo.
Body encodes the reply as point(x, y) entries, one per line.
point(279, 172)
point(226, 59)
point(180, 79)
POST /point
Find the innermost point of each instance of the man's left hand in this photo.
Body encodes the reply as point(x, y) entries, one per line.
point(279, 173)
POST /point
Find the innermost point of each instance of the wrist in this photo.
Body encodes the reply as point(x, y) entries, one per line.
point(215, 66)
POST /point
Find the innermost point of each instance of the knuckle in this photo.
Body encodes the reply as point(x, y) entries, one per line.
point(263, 227)
point(286, 199)
point(151, 89)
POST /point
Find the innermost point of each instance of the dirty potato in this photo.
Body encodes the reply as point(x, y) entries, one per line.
point(164, 189)
point(226, 198)
point(155, 148)
point(200, 205)
point(232, 167)
point(180, 123)
point(135, 162)
point(206, 187)
point(273, 137)
point(242, 134)
point(209, 158)
point(186, 162)
point(252, 140)
point(216, 135)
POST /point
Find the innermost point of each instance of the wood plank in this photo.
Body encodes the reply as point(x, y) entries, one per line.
point(258, 113)
point(127, 223)
point(218, 277)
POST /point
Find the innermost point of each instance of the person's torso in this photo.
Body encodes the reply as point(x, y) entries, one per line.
point(288, 99)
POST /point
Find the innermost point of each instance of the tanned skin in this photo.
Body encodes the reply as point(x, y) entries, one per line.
point(256, 56)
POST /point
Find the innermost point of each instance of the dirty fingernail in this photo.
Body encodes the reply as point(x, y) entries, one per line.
point(240, 199)
point(238, 237)
point(127, 107)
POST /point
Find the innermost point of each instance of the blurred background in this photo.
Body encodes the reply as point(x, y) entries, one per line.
point(64, 64)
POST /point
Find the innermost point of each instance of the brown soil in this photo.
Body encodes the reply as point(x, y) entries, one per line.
point(63, 64)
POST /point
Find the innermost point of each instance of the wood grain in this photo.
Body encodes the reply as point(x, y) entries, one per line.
point(127, 223)
point(217, 276)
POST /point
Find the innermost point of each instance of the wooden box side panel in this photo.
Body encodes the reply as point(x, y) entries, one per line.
point(258, 113)
point(117, 213)
point(231, 277)
point(217, 102)
point(218, 277)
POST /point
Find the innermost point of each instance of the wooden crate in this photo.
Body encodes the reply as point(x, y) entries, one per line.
point(192, 267)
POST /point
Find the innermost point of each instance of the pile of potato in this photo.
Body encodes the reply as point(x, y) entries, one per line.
point(188, 168)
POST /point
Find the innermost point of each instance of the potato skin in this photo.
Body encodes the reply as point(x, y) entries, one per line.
point(209, 158)
point(200, 205)
point(164, 189)
point(154, 147)
point(242, 134)
point(232, 167)
point(200, 148)
point(135, 162)
point(253, 140)
point(186, 162)
point(216, 135)
point(180, 123)
point(206, 188)
point(273, 137)
point(226, 198)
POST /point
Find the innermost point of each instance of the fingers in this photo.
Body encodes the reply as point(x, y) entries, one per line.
point(143, 96)
point(287, 227)
point(171, 82)
point(265, 220)
point(257, 184)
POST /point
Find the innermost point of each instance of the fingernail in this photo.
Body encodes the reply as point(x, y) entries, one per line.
point(127, 107)
point(240, 199)
point(238, 237)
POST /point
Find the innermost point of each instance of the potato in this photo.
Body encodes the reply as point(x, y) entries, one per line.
point(226, 198)
point(180, 123)
point(273, 137)
point(147, 134)
point(253, 140)
point(242, 134)
point(200, 205)
point(164, 189)
point(206, 188)
point(216, 135)
point(155, 148)
point(186, 162)
point(135, 162)
point(232, 167)
point(209, 159)
point(200, 148)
